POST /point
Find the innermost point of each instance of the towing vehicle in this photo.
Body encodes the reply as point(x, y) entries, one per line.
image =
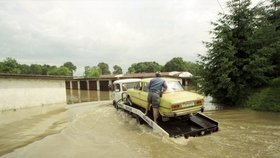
point(172, 123)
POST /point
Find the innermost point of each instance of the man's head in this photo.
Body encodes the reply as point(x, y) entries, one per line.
point(158, 74)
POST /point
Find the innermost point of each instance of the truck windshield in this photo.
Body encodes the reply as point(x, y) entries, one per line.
point(174, 86)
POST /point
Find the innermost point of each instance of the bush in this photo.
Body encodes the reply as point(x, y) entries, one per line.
point(266, 99)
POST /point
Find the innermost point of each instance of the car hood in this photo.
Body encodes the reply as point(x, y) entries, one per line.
point(180, 97)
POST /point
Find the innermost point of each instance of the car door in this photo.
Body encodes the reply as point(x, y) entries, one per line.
point(143, 94)
point(116, 94)
point(134, 94)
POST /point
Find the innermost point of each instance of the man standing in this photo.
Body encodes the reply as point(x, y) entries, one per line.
point(156, 87)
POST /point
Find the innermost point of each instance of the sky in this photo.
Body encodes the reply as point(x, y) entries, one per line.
point(117, 32)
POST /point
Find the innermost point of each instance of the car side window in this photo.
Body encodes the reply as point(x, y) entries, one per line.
point(117, 87)
point(138, 86)
point(145, 87)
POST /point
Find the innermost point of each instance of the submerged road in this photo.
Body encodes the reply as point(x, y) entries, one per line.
point(96, 129)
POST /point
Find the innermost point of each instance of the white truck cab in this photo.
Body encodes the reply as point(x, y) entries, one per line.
point(120, 86)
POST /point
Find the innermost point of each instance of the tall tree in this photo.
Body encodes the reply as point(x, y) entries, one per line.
point(233, 65)
point(273, 11)
point(117, 69)
point(104, 68)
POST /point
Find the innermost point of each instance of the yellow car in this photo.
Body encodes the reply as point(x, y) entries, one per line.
point(174, 102)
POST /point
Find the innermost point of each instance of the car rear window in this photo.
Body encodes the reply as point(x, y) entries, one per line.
point(174, 86)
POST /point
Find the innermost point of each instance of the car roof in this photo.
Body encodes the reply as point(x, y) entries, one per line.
point(127, 80)
point(164, 78)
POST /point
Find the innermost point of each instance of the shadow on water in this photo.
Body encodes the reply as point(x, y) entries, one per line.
point(79, 96)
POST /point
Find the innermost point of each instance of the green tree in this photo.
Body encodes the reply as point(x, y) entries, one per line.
point(144, 67)
point(131, 69)
point(59, 71)
point(24, 69)
point(45, 69)
point(117, 69)
point(175, 64)
point(93, 71)
point(179, 64)
point(104, 68)
point(193, 68)
point(273, 17)
point(233, 65)
point(35, 69)
point(70, 66)
point(10, 66)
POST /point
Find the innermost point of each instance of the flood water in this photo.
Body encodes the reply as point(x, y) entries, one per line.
point(97, 129)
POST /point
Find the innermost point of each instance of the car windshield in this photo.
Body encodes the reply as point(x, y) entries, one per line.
point(174, 86)
point(129, 85)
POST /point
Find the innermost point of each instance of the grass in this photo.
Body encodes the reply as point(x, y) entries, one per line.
point(266, 99)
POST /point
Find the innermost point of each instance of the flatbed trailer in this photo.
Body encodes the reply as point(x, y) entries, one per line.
point(195, 125)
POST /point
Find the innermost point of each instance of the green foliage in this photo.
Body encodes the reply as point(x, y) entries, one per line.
point(178, 64)
point(104, 68)
point(35, 69)
point(273, 13)
point(62, 70)
point(70, 67)
point(266, 99)
point(144, 67)
point(10, 66)
point(175, 64)
point(117, 69)
point(235, 62)
point(93, 71)
point(25, 69)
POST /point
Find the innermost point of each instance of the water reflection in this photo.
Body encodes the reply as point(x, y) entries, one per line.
point(79, 96)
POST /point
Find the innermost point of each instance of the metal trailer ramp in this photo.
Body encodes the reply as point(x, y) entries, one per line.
point(196, 125)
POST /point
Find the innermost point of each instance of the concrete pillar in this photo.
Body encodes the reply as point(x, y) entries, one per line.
point(71, 92)
point(98, 95)
point(71, 86)
point(97, 85)
point(87, 84)
point(78, 82)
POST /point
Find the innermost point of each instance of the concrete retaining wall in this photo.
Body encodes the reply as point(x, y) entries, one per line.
point(18, 93)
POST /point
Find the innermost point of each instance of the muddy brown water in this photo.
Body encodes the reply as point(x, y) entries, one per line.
point(96, 129)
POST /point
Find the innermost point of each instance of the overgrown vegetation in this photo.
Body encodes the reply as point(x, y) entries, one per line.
point(244, 52)
point(266, 99)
